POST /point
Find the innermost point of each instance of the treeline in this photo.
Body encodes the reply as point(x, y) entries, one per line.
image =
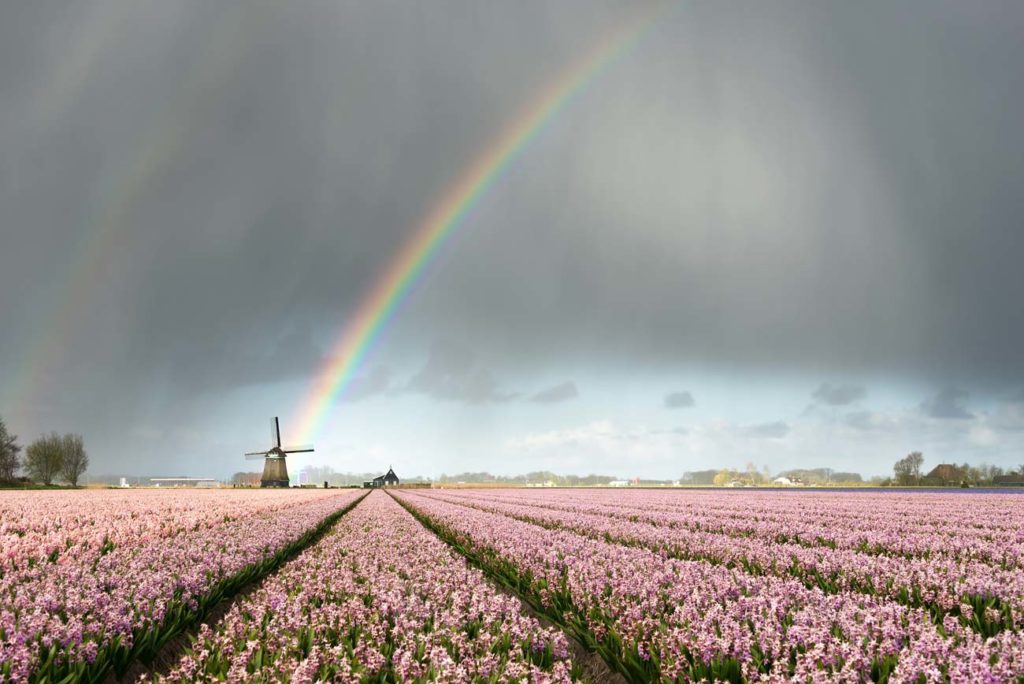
point(753, 476)
point(49, 458)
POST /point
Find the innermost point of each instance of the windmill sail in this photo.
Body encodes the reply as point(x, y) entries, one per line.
point(275, 472)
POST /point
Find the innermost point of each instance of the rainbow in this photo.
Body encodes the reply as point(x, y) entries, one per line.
point(383, 300)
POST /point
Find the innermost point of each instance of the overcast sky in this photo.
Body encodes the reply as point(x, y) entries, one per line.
point(781, 233)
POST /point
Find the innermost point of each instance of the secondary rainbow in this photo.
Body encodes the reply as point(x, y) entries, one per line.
point(382, 301)
point(122, 189)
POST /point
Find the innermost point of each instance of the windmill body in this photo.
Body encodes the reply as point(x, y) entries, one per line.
point(275, 472)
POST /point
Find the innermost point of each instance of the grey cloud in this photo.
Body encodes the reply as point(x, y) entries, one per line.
point(860, 420)
point(774, 430)
point(1010, 414)
point(376, 381)
point(678, 432)
point(452, 373)
point(838, 395)
point(947, 404)
point(870, 421)
point(558, 393)
point(676, 400)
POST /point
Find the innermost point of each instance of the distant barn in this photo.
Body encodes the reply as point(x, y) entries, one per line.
point(388, 479)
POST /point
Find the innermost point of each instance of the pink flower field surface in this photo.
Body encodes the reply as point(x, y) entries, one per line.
point(403, 585)
point(942, 583)
point(661, 617)
point(91, 580)
point(78, 526)
point(379, 598)
point(982, 527)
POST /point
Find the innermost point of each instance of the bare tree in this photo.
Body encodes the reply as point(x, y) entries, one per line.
point(44, 457)
point(908, 468)
point(241, 479)
point(9, 450)
point(74, 460)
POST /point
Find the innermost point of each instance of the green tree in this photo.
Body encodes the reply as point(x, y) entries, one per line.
point(908, 468)
point(74, 460)
point(44, 458)
point(9, 450)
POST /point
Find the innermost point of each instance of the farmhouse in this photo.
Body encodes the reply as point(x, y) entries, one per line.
point(944, 474)
point(388, 479)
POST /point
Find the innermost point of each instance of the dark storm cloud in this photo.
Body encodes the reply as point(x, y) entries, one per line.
point(859, 213)
point(558, 393)
point(835, 188)
point(838, 395)
point(948, 404)
point(452, 373)
point(252, 168)
point(677, 400)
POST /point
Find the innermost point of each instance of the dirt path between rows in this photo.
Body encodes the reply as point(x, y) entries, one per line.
point(595, 668)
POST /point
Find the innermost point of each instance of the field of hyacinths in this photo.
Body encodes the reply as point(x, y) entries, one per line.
point(496, 585)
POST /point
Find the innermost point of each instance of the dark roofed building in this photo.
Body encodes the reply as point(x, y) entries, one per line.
point(388, 479)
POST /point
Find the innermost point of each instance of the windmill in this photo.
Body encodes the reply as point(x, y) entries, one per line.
point(275, 473)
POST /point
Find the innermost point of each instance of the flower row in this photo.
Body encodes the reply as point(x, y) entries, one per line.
point(379, 598)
